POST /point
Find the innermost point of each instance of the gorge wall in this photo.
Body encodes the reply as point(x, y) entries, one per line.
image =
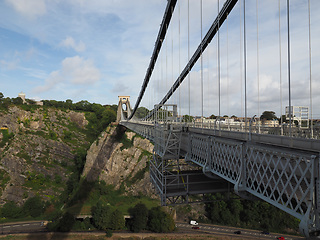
point(38, 149)
point(120, 158)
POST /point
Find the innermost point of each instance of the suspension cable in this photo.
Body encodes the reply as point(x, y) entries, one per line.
point(228, 110)
point(258, 70)
point(219, 80)
point(201, 62)
point(289, 79)
point(245, 61)
point(189, 57)
point(179, 64)
point(162, 73)
point(310, 69)
point(280, 66)
point(227, 7)
point(208, 81)
point(172, 54)
point(241, 58)
point(166, 88)
point(161, 35)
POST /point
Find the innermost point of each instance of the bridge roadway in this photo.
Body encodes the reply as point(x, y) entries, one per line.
point(281, 170)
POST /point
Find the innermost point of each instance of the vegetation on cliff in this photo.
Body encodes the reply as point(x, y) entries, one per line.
point(43, 148)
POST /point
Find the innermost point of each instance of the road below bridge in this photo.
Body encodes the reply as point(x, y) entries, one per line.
point(23, 227)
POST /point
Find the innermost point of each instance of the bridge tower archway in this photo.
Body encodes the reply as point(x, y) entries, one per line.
point(124, 108)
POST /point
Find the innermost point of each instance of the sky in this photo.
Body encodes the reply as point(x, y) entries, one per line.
point(97, 50)
point(76, 49)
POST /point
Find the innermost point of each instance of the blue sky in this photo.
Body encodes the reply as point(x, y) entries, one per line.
point(96, 50)
point(79, 50)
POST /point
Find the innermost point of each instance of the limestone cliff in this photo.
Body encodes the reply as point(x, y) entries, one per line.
point(120, 158)
point(37, 150)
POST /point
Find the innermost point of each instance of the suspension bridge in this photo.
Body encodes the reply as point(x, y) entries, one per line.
point(234, 58)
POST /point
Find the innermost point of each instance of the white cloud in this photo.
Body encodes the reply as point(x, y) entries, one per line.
point(80, 71)
point(74, 70)
point(70, 42)
point(30, 8)
point(53, 79)
point(9, 65)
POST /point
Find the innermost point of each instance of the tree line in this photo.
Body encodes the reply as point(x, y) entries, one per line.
point(257, 214)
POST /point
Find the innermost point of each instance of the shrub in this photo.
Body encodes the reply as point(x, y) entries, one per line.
point(33, 207)
point(160, 221)
point(10, 210)
point(66, 223)
point(139, 215)
point(101, 216)
point(117, 221)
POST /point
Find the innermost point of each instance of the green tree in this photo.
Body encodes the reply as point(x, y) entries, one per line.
point(235, 207)
point(117, 221)
point(160, 221)
point(83, 105)
point(69, 104)
point(141, 112)
point(101, 216)
point(17, 101)
point(10, 210)
point(80, 159)
point(187, 118)
point(33, 207)
point(66, 223)
point(268, 115)
point(213, 116)
point(139, 215)
point(31, 102)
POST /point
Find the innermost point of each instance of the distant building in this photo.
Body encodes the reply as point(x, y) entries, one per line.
point(300, 114)
point(217, 121)
point(270, 123)
point(22, 96)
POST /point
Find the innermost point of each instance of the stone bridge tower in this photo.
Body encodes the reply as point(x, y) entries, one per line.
point(124, 108)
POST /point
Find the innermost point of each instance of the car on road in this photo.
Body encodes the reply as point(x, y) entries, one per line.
point(280, 238)
point(195, 227)
point(237, 232)
point(194, 223)
point(265, 232)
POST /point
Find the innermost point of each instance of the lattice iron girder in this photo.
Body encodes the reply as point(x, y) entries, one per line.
point(291, 189)
point(285, 179)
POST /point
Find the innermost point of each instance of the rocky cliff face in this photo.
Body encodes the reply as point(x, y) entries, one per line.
point(120, 158)
point(37, 150)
